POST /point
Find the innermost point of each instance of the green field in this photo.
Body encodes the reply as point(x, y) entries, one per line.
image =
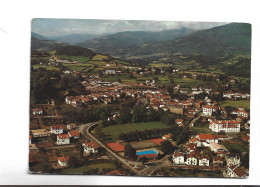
point(99, 165)
point(112, 132)
point(243, 103)
point(77, 67)
point(48, 67)
point(202, 129)
point(238, 146)
point(78, 58)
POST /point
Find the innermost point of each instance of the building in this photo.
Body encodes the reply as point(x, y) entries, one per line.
point(40, 133)
point(192, 159)
point(225, 125)
point(37, 111)
point(63, 139)
point(71, 126)
point(232, 160)
point(176, 109)
point(167, 137)
point(75, 134)
point(30, 139)
point(178, 158)
point(235, 172)
point(218, 161)
point(63, 161)
point(57, 129)
point(208, 109)
point(110, 71)
point(205, 140)
point(90, 147)
point(203, 160)
point(216, 148)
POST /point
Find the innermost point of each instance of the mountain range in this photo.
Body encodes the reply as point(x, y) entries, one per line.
point(110, 43)
point(229, 39)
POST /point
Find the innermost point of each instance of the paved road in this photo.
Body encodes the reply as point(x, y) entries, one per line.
point(164, 162)
point(85, 130)
point(193, 121)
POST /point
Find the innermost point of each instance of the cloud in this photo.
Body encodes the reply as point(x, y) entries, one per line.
point(61, 27)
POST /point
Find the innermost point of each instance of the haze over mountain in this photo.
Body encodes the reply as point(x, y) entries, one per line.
point(75, 38)
point(215, 42)
point(40, 43)
point(110, 43)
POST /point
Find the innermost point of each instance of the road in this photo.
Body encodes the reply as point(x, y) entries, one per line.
point(164, 162)
point(85, 130)
point(193, 121)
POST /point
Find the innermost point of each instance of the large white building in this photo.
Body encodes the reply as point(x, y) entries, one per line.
point(90, 147)
point(225, 125)
point(208, 109)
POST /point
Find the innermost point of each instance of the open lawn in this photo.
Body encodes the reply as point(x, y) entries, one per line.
point(243, 103)
point(98, 165)
point(202, 129)
point(99, 57)
point(236, 146)
point(112, 132)
point(73, 58)
point(77, 67)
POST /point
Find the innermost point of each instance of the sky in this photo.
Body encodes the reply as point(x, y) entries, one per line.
point(62, 27)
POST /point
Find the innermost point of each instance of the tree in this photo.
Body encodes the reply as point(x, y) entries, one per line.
point(125, 115)
point(130, 152)
point(167, 147)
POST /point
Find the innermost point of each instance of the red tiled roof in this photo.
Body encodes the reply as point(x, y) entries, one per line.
point(167, 136)
point(219, 136)
point(63, 159)
point(205, 137)
point(74, 133)
point(239, 172)
point(63, 136)
point(91, 144)
point(179, 120)
point(30, 137)
point(157, 141)
point(37, 109)
point(54, 127)
point(178, 154)
point(117, 147)
point(193, 140)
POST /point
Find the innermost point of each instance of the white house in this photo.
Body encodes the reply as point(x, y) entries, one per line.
point(63, 139)
point(63, 161)
point(192, 159)
point(90, 147)
point(37, 111)
point(203, 160)
point(30, 139)
point(232, 160)
point(225, 125)
point(208, 109)
point(75, 134)
point(110, 71)
point(178, 158)
point(206, 139)
point(57, 129)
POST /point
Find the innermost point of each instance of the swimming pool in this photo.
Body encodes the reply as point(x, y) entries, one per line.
point(146, 152)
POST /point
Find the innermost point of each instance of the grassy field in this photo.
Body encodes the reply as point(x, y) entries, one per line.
point(98, 165)
point(233, 146)
point(243, 103)
point(46, 66)
point(77, 67)
point(73, 58)
point(99, 57)
point(202, 129)
point(112, 132)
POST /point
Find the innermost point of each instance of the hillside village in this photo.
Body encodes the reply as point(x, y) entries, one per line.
point(102, 115)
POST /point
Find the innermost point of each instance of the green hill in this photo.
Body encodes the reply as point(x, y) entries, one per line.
point(119, 41)
point(230, 39)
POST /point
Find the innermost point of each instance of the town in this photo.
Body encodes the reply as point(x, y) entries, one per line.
point(95, 114)
point(186, 127)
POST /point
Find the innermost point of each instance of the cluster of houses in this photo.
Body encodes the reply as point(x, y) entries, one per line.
point(220, 156)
